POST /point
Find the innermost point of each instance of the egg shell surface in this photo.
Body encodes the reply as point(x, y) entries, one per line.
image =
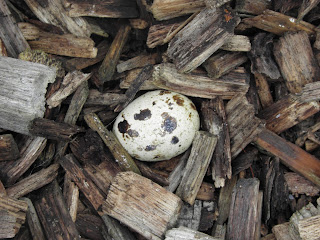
point(158, 125)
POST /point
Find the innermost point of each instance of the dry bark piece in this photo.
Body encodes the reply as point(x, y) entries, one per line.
point(33, 221)
point(51, 207)
point(201, 37)
point(287, 112)
point(190, 215)
point(33, 182)
point(167, 9)
point(215, 3)
point(71, 196)
point(116, 230)
point(23, 98)
point(123, 158)
point(81, 179)
point(105, 99)
point(139, 61)
point(143, 205)
point(264, 92)
point(252, 6)
point(53, 12)
point(290, 155)
point(90, 226)
point(110, 9)
point(201, 153)
point(299, 185)
point(12, 216)
point(3, 50)
point(244, 205)
point(182, 233)
point(69, 85)
point(305, 8)
point(237, 43)
point(223, 62)
point(206, 192)
point(111, 59)
point(215, 121)
point(310, 92)
point(8, 148)
point(167, 77)
point(294, 55)
point(279, 23)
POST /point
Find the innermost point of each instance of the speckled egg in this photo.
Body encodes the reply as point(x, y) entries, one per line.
point(157, 126)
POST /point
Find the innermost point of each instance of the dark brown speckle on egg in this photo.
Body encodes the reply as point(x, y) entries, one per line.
point(143, 115)
point(162, 92)
point(150, 148)
point(123, 126)
point(133, 133)
point(193, 106)
point(174, 140)
point(179, 100)
point(169, 123)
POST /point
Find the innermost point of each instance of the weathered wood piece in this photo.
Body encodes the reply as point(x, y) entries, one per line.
point(183, 233)
point(310, 92)
point(244, 160)
point(167, 77)
point(206, 33)
point(252, 6)
point(81, 63)
point(3, 191)
point(300, 141)
point(81, 179)
point(215, 121)
point(294, 55)
point(110, 9)
point(3, 50)
point(53, 12)
point(90, 226)
point(8, 148)
point(290, 155)
point(223, 62)
point(105, 99)
point(261, 56)
point(305, 7)
point(22, 96)
point(132, 75)
point(279, 23)
point(263, 89)
point(69, 85)
point(190, 215)
point(237, 43)
point(137, 62)
point(116, 230)
point(242, 123)
point(10, 33)
point(14, 171)
point(206, 192)
point(33, 221)
point(299, 185)
point(244, 205)
point(123, 158)
point(152, 174)
point(287, 112)
point(33, 182)
point(71, 196)
point(53, 130)
point(143, 205)
point(215, 3)
point(51, 207)
point(281, 231)
point(108, 66)
point(12, 216)
point(201, 153)
point(167, 9)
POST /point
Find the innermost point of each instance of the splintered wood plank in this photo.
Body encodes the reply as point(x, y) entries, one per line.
point(109, 64)
point(297, 63)
point(279, 23)
point(10, 33)
point(22, 97)
point(287, 112)
point(290, 155)
point(33, 182)
point(166, 9)
point(53, 12)
point(8, 148)
point(167, 77)
point(200, 38)
point(51, 208)
point(201, 153)
point(98, 8)
point(141, 204)
point(244, 205)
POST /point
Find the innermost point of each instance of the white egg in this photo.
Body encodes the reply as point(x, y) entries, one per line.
point(157, 126)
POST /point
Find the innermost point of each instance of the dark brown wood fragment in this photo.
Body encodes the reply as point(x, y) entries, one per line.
point(290, 155)
point(8, 148)
point(215, 122)
point(294, 55)
point(261, 56)
point(278, 23)
point(53, 130)
point(252, 6)
point(10, 33)
point(287, 112)
point(244, 205)
point(244, 160)
point(111, 59)
point(51, 207)
point(305, 8)
point(96, 8)
point(90, 226)
point(299, 185)
point(200, 38)
point(263, 89)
